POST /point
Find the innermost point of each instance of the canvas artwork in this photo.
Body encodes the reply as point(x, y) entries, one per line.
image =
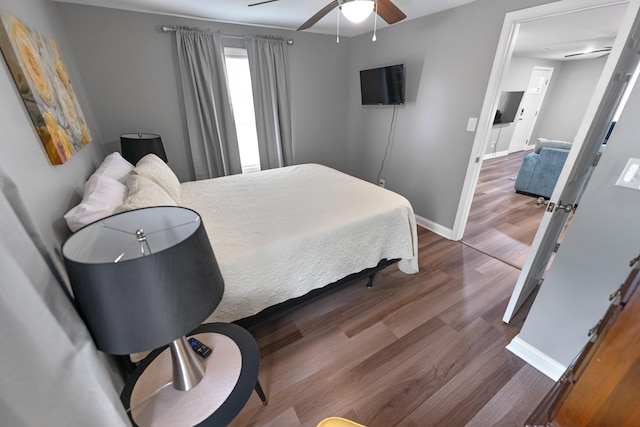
point(45, 87)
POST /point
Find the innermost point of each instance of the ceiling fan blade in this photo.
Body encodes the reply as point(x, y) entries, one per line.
point(262, 2)
point(390, 12)
point(319, 15)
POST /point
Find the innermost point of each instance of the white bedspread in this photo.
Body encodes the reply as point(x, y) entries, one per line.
point(281, 233)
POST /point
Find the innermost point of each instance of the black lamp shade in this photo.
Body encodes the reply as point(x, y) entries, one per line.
point(135, 146)
point(133, 302)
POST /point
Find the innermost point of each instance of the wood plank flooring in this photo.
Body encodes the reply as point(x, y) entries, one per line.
point(415, 350)
point(502, 223)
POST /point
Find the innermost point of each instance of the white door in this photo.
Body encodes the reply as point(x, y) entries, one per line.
point(615, 77)
point(530, 108)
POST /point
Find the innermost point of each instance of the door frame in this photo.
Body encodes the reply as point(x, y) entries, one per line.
point(535, 118)
point(504, 52)
point(622, 65)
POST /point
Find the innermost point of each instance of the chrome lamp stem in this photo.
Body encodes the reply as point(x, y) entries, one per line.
point(188, 370)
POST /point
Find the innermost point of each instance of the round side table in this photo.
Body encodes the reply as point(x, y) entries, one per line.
point(231, 375)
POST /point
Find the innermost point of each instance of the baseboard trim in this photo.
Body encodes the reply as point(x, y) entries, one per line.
point(536, 358)
point(447, 233)
point(494, 155)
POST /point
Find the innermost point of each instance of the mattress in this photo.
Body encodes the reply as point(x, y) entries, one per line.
point(280, 233)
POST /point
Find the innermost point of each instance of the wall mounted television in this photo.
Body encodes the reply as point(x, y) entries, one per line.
point(383, 85)
point(508, 107)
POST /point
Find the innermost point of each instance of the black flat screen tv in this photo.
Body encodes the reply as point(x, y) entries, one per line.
point(383, 85)
point(508, 107)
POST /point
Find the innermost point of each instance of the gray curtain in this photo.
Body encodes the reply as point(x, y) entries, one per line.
point(51, 373)
point(269, 65)
point(210, 124)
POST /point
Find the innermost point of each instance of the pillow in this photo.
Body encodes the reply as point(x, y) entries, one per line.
point(154, 168)
point(101, 198)
point(551, 143)
point(115, 166)
point(144, 193)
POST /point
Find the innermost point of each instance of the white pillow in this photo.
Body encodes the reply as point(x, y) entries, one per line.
point(154, 168)
point(102, 196)
point(144, 193)
point(115, 166)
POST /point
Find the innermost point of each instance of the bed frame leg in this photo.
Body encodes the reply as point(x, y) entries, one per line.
point(370, 282)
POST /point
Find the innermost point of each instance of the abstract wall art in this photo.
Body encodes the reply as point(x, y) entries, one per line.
point(45, 87)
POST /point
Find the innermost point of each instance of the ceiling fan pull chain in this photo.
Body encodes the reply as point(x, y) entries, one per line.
point(338, 25)
point(375, 22)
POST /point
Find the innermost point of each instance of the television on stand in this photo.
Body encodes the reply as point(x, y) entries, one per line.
point(383, 85)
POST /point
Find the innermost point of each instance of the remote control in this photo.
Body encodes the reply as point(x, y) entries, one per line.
point(200, 348)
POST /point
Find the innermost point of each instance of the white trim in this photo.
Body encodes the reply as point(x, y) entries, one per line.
point(534, 357)
point(494, 155)
point(604, 94)
point(504, 51)
point(434, 227)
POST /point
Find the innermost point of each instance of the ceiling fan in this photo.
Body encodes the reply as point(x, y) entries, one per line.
point(384, 8)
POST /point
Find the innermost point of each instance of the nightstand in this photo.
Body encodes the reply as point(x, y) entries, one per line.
point(231, 376)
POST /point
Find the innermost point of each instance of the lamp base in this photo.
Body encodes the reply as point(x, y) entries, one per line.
point(154, 402)
point(188, 370)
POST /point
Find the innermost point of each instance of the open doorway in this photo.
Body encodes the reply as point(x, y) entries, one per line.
point(501, 222)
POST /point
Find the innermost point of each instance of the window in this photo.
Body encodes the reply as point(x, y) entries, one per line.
point(239, 78)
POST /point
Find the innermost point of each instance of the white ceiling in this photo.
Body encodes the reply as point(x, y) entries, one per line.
point(549, 38)
point(584, 31)
point(287, 14)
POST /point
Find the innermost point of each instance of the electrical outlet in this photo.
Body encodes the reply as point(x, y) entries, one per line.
point(381, 183)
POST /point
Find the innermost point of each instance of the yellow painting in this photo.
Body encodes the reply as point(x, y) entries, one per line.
point(45, 87)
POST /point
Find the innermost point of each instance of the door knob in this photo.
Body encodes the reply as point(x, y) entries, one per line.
point(551, 206)
point(566, 208)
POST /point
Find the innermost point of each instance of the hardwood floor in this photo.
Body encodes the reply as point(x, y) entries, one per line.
point(415, 350)
point(502, 223)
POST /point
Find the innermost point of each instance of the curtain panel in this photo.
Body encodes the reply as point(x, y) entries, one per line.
point(210, 123)
point(51, 373)
point(269, 65)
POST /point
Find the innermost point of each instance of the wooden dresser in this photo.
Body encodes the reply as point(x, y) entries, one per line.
point(602, 386)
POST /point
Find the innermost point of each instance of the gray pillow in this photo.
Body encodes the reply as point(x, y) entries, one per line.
point(551, 143)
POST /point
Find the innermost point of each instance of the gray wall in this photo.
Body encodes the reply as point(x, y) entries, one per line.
point(128, 74)
point(432, 147)
point(48, 191)
point(448, 58)
point(568, 101)
point(123, 72)
point(565, 103)
point(517, 78)
point(593, 259)
point(130, 69)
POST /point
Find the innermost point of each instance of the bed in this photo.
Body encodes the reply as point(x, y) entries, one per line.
point(277, 234)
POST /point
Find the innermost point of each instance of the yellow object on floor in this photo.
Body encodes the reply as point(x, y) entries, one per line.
point(338, 422)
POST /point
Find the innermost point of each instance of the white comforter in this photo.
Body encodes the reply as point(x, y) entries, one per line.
point(281, 233)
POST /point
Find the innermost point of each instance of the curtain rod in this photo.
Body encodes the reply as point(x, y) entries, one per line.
point(173, 28)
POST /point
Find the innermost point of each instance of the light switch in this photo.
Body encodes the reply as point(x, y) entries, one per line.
point(471, 124)
point(630, 177)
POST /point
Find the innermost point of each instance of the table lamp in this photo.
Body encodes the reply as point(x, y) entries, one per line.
point(143, 279)
point(135, 146)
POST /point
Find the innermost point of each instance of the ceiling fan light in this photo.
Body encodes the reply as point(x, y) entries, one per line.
point(357, 10)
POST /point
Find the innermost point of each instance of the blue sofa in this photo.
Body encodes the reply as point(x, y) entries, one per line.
point(541, 168)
